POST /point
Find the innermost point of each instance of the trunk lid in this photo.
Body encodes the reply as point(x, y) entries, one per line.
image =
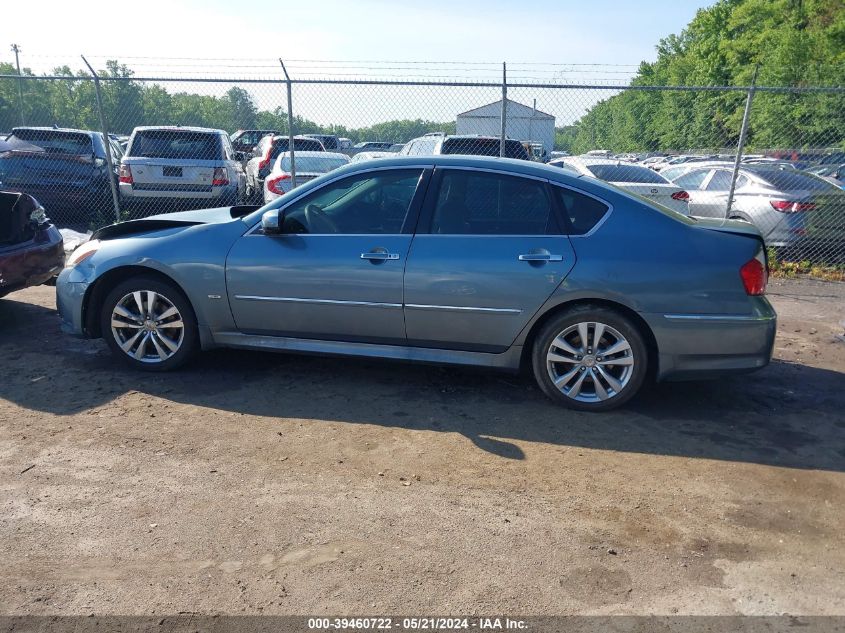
point(172, 174)
point(736, 227)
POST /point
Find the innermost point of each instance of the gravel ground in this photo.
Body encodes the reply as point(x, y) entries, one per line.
point(259, 483)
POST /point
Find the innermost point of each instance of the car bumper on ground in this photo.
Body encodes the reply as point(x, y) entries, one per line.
point(694, 346)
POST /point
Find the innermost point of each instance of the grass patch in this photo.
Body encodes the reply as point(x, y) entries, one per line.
point(805, 268)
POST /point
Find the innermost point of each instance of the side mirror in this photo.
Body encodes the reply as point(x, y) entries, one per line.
point(272, 222)
point(240, 156)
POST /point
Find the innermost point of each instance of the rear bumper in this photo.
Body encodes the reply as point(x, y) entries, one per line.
point(33, 263)
point(128, 192)
point(694, 346)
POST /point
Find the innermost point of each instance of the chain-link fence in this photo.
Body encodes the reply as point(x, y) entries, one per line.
point(772, 156)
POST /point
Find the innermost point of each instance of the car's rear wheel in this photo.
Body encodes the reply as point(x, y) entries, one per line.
point(590, 358)
point(149, 324)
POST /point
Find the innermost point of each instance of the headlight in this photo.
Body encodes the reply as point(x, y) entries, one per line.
point(83, 252)
point(38, 216)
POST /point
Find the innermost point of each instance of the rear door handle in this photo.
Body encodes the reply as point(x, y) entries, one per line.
point(380, 256)
point(540, 257)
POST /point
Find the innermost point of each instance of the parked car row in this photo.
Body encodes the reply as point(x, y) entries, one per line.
point(793, 209)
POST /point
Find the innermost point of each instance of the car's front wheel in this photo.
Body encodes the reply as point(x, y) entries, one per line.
point(149, 324)
point(590, 358)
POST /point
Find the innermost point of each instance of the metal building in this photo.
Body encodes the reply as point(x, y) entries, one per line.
point(523, 122)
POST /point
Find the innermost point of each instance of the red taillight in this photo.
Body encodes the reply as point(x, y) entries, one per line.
point(754, 275)
point(265, 160)
point(125, 174)
point(681, 195)
point(220, 177)
point(274, 184)
point(790, 206)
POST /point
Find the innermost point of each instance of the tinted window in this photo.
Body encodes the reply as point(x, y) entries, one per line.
point(693, 179)
point(329, 141)
point(52, 141)
point(281, 144)
point(483, 147)
point(791, 180)
point(721, 181)
point(582, 212)
point(318, 164)
point(626, 173)
point(479, 203)
point(366, 204)
point(176, 144)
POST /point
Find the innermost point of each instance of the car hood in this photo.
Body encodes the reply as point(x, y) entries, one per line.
point(219, 215)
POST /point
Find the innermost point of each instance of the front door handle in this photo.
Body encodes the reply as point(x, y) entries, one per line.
point(379, 256)
point(540, 257)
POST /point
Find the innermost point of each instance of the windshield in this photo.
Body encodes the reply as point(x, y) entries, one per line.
point(175, 144)
point(318, 164)
point(53, 141)
point(626, 173)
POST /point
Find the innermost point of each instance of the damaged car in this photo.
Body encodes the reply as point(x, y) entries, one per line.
point(31, 247)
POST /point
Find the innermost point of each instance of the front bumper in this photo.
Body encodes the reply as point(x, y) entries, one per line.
point(694, 346)
point(70, 301)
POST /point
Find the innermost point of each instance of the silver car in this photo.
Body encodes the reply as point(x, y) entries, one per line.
point(180, 167)
point(790, 208)
point(634, 178)
point(309, 165)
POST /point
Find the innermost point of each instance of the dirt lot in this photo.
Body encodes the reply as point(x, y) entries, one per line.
point(259, 483)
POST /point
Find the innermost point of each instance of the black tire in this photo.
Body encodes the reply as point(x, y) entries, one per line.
point(167, 294)
point(607, 371)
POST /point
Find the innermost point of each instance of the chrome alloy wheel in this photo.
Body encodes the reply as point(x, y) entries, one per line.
point(147, 326)
point(590, 362)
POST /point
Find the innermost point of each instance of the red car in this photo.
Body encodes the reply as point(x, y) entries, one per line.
point(31, 248)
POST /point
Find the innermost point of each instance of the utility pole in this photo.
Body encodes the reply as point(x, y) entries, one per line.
point(17, 49)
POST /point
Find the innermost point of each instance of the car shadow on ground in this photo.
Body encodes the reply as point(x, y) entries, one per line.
point(787, 415)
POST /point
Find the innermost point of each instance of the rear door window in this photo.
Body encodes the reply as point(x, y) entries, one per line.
point(721, 181)
point(484, 203)
point(693, 179)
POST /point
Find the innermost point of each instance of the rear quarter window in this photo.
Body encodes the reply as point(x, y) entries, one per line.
point(582, 212)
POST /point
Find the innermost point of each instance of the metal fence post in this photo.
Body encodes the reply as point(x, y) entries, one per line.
point(17, 49)
point(743, 131)
point(504, 108)
point(106, 140)
point(291, 148)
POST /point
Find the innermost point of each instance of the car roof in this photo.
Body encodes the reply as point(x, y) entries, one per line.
point(310, 154)
point(53, 129)
point(589, 160)
point(179, 128)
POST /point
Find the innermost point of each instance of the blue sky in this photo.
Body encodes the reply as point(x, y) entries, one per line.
point(596, 31)
point(597, 41)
